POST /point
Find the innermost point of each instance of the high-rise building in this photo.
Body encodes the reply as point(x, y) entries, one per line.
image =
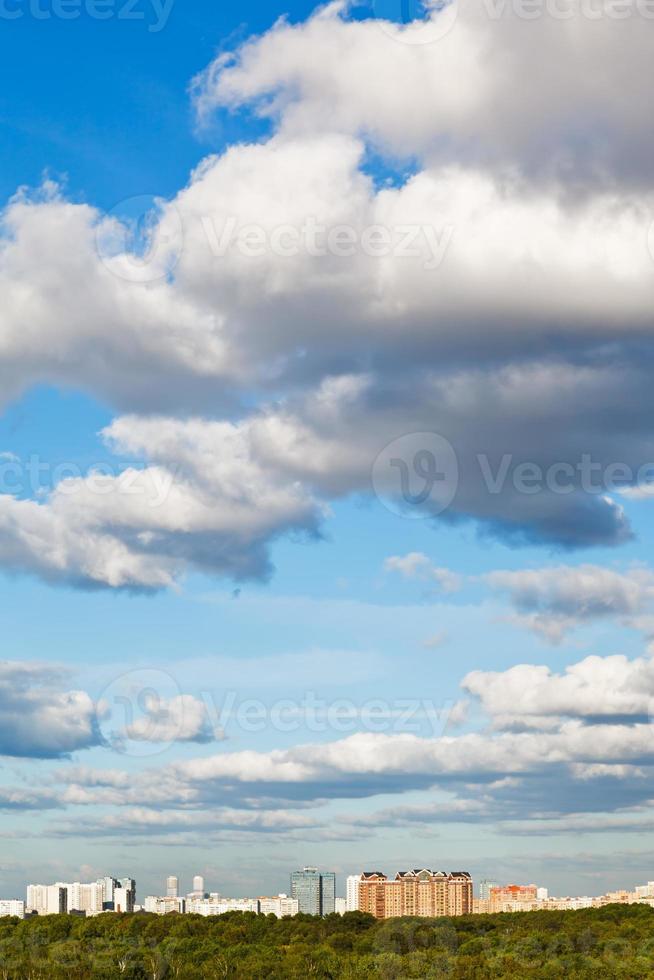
point(327, 893)
point(129, 884)
point(352, 892)
point(172, 886)
point(108, 884)
point(314, 890)
point(340, 906)
point(84, 897)
point(123, 899)
point(198, 885)
point(47, 899)
point(419, 892)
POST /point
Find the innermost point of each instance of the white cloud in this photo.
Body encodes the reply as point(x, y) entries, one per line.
point(552, 601)
point(211, 505)
point(536, 697)
point(40, 720)
point(183, 718)
point(456, 98)
point(556, 745)
point(418, 566)
point(499, 332)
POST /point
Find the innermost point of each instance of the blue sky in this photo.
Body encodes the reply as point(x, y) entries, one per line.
point(407, 648)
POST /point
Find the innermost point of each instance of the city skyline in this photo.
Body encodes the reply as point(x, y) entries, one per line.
point(421, 892)
point(326, 455)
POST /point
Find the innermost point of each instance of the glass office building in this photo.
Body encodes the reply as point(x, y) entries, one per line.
point(315, 891)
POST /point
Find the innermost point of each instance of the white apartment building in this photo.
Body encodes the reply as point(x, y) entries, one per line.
point(12, 907)
point(107, 884)
point(280, 905)
point(215, 905)
point(47, 899)
point(123, 899)
point(340, 906)
point(352, 893)
point(82, 896)
point(163, 904)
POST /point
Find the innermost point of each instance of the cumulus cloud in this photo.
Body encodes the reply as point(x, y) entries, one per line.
point(142, 821)
point(592, 68)
point(17, 798)
point(68, 318)
point(214, 495)
point(418, 566)
point(183, 718)
point(212, 507)
point(596, 688)
point(294, 317)
point(40, 720)
point(365, 764)
point(503, 779)
point(549, 745)
point(552, 601)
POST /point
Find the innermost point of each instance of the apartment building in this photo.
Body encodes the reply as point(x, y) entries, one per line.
point(47, 899)
point(279, 905)
point(215, 905)
point(12, 907)
point(352, 892)
point(513, 898)
point(163, 904)
point(420, 892)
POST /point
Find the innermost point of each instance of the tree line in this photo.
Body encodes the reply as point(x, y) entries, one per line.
point(613, 942)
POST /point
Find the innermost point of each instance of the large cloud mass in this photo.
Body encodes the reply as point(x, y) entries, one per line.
point(296, 313)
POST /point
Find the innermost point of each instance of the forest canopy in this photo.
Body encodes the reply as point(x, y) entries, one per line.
point(615, 941)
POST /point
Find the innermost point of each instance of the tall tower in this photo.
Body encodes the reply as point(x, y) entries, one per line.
point(130, 886)
point(352, 893)
point(198, 884)
point(314, 890)
point(172, 886)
